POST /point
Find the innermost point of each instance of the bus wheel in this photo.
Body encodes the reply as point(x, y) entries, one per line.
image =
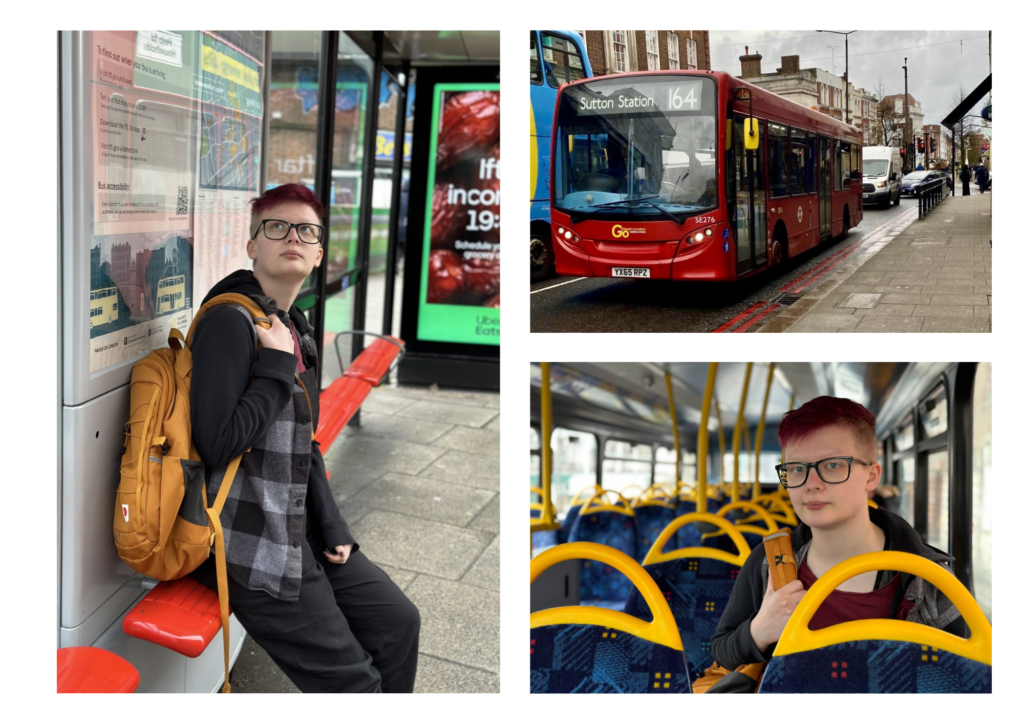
point(778, 250)
point(542, 257)
point(846, 222)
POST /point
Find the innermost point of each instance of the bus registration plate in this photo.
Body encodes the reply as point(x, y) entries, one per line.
point(631, 271)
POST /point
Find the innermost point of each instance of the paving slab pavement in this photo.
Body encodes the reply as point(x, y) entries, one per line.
point(928, 275)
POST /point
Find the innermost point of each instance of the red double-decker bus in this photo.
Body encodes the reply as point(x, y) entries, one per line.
point(659, 175)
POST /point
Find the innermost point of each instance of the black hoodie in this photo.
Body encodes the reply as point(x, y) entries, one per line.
point(229, 413)
point(732, 645)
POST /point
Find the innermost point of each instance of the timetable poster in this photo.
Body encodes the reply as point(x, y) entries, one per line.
point(175, 135)
point(461, 277)
point(143, 121)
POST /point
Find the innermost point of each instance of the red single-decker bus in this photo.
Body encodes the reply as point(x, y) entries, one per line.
point(652, 177)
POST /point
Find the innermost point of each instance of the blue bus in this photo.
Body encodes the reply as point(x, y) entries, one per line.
point(564, 60)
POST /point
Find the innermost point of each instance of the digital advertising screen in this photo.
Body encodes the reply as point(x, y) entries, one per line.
point(460, 289)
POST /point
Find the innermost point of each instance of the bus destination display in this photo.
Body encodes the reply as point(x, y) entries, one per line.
point(662, 97)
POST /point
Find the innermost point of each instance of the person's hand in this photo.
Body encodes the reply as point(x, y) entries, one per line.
point(776, 608)
point(278, 337)
point(340, 555)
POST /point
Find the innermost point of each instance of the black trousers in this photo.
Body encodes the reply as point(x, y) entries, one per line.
point(351, 630)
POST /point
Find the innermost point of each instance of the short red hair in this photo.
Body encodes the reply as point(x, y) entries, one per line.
point(825, 411)
point(282, 195)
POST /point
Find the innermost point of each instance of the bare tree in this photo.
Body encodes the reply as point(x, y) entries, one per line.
point(889, 124)
point(965, 129)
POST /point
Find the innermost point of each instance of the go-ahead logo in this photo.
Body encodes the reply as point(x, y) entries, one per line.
point(621, 232)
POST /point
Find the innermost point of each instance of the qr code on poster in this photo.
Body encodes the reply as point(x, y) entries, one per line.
point(182, 200)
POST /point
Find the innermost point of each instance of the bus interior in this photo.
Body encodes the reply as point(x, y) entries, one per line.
point(638, 466)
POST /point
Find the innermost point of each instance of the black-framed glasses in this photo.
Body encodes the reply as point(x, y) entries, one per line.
point(278, 229)
point(831, 470)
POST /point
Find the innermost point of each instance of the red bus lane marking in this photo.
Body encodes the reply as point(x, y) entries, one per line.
point(738, 317)
point(744, 327)
point(817, 271)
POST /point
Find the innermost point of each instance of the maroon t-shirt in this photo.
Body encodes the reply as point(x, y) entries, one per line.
point(843, 606)
point(298, 352)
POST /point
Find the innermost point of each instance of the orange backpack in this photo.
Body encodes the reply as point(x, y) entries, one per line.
point(163, 527)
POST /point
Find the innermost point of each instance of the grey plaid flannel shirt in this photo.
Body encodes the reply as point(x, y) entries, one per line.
point(264, 527)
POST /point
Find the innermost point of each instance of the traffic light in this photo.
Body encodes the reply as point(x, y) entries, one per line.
point(920, 146)
point(932, 144)
point(903, 152)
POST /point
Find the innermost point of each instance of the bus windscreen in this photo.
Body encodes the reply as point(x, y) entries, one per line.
point(637, 146)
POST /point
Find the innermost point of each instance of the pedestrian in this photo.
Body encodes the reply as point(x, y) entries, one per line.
point(982, 176)
point(298, 583)
point(965, 179)
point(920, 167)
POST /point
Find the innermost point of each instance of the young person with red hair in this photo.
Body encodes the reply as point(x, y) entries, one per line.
point(297, 580)
point(830, 450)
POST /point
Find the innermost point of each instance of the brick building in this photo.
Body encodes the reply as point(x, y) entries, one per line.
point(942, 147)
point(629, 51)
point(813, 88)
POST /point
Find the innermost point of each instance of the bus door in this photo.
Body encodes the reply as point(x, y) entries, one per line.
point(824, 187)
point(746, 199)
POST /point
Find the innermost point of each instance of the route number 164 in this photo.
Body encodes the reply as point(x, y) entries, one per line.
point(677, 102)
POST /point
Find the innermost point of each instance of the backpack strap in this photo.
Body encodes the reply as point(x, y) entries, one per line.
point(213, 515)
point(257, 314)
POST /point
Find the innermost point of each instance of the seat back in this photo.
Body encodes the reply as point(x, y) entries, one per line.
point(574, 510)
point(584, 649)
point(608, 524)
point(652, 516)
point(880, 655)
point(696, 582)
point(753, 534)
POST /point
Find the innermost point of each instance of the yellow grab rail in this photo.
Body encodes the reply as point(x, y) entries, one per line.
point(622, 506)
point(661, 630)
point(760, 512)
point(797, 637)
point(656, 555)
point(576, 498)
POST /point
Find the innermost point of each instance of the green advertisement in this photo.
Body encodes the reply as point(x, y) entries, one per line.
point(460, 289)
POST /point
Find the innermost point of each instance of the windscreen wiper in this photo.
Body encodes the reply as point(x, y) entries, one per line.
point(574, 218)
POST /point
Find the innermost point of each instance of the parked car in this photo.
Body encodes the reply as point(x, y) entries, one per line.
point(912, 181)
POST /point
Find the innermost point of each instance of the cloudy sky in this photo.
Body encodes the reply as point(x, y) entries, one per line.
point(938, 62)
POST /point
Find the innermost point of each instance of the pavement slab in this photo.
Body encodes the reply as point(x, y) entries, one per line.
point(478, 442)
point(459, 612)
point(397, 427)
point(438, 676)
point(489, 519)
point(466, 469)
point(450, 413)
point(425, 498)
point(485, 572)
point(385, 455)
point(419, 545)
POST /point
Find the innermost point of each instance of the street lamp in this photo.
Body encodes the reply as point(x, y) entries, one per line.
point(847, 79)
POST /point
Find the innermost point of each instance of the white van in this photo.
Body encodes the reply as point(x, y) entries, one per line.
point(883, 172)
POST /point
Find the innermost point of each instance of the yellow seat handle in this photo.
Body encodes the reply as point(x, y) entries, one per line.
point(655, 554)
point(576, 498)
point(797, 636)
point(760, 512)
point(622, 506)
point(661, 630)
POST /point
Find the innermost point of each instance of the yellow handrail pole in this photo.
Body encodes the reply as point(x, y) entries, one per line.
point(760, 432)
point(675, 433)
point(736, 432)
point(747, 449)
point(721, 437)
point(702, 440)
point(545, 433)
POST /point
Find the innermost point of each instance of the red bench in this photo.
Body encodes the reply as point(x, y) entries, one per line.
point(184, 615)
point(88, 670)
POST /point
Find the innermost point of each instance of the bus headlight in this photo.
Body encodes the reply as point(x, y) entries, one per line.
point(707, 232)
point(699, 237)
point(689, 240)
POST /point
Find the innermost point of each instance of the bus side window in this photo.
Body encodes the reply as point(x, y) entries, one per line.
point(563, 58)
point(535, 77)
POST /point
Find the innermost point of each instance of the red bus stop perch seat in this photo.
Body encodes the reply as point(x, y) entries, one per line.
point(89, 670)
